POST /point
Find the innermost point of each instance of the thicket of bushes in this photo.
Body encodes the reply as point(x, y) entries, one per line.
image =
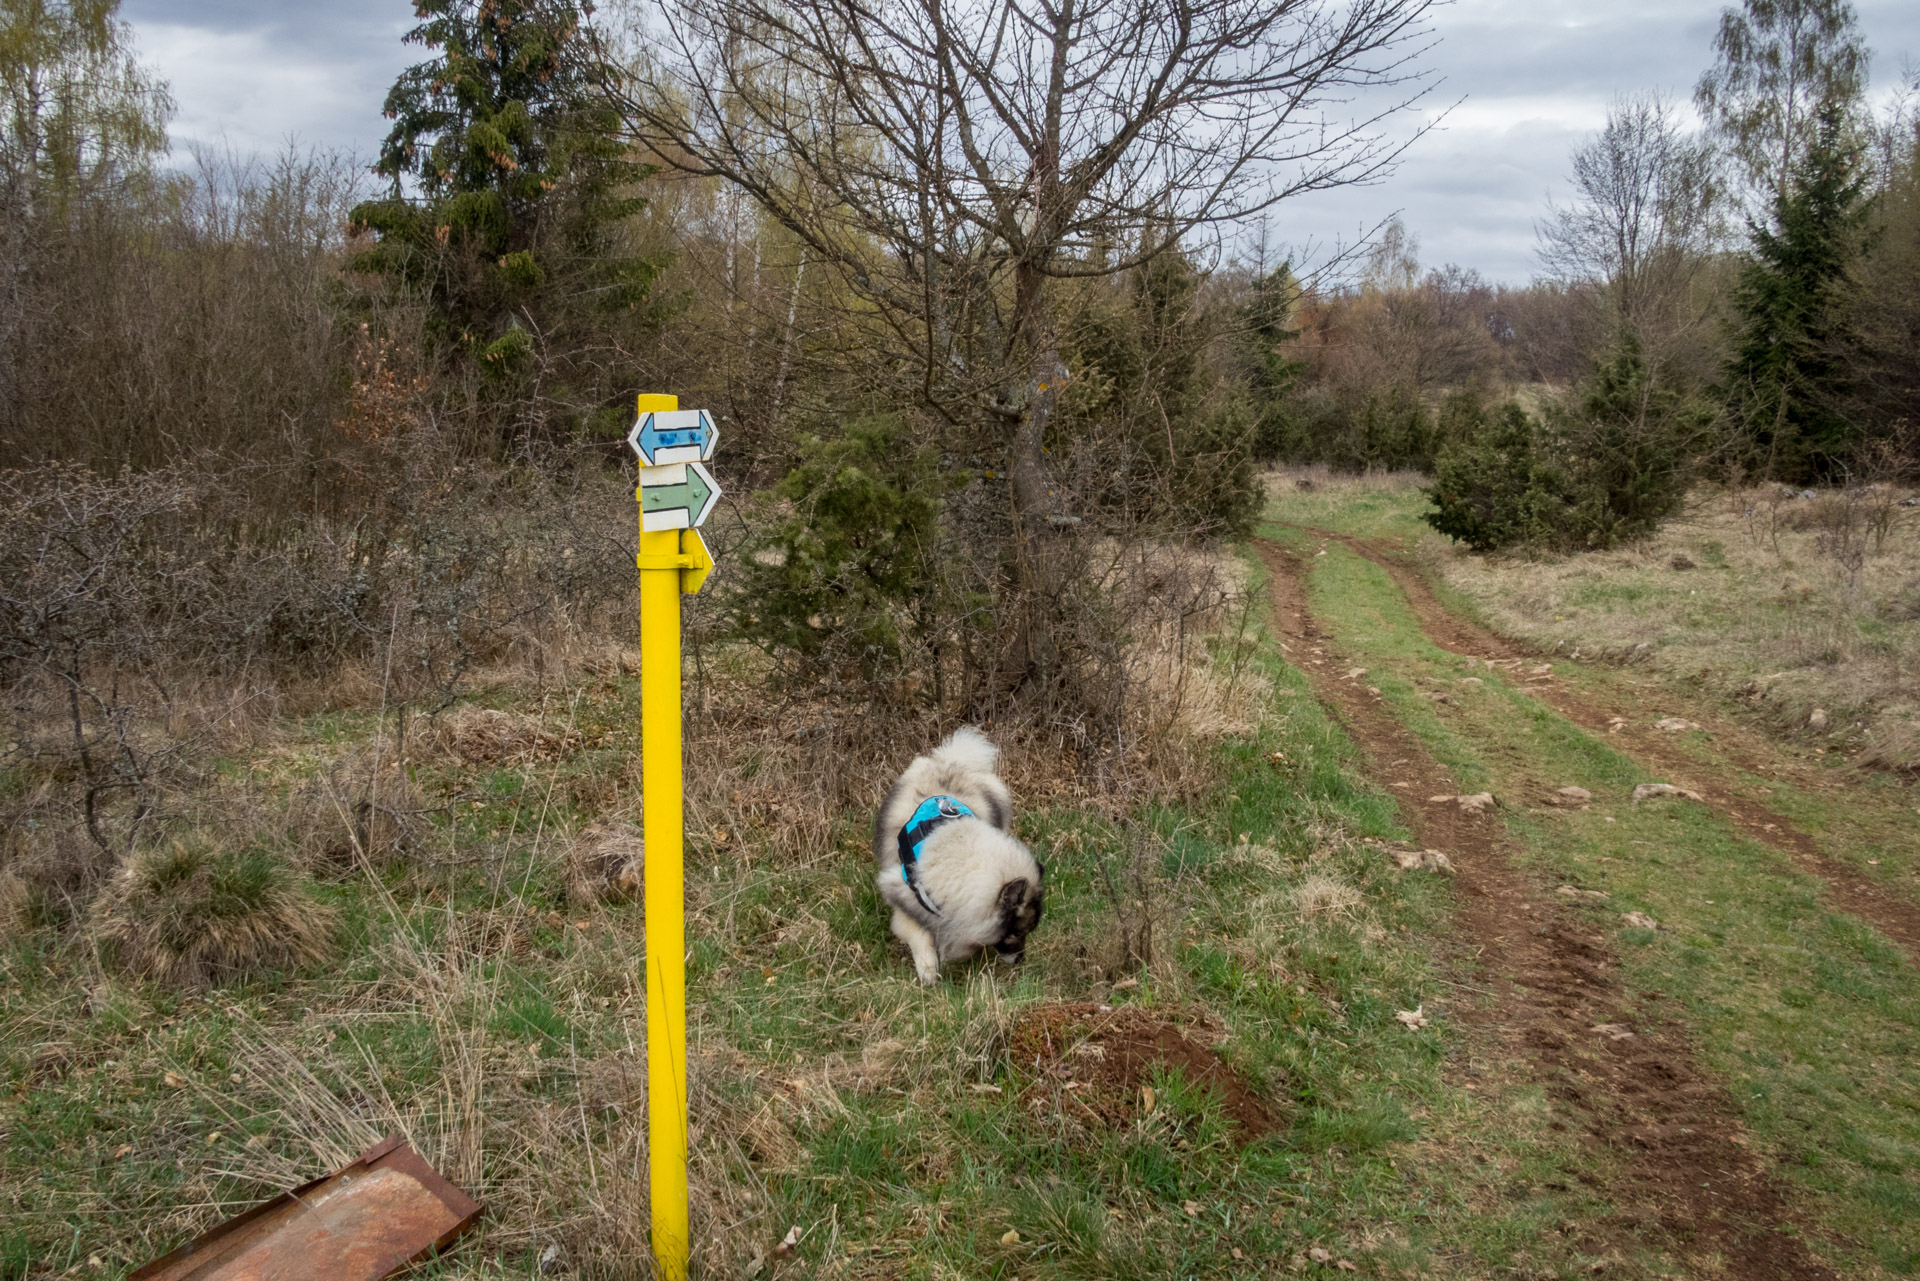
point(1599, 468)
point(267, 424)
point(289, 435)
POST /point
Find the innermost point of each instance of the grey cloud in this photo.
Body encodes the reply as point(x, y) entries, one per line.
point(1535, 76)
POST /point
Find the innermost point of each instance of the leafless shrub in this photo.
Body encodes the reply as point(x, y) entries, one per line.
point(1130, 877)
point(187, 315)
point(134, 606)
point(48, 876)
point(1848, 524)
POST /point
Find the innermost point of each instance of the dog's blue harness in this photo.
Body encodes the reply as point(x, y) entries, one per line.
point(928, 817)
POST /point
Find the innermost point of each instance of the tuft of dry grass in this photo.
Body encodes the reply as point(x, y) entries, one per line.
point(605, 863)
point(363, 810)
point(189, 914)
point(1319, 895)
point(47, 877)
point(1788, 604)
point(1295, 480)
point(484, 735)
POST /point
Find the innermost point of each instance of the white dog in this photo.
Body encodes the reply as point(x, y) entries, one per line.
point(956, 880)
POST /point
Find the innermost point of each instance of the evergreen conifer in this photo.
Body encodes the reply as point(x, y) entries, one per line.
point(520, 185)
point(1785, 382)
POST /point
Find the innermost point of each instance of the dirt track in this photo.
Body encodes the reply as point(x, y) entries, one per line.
point(1686, 1173)
point(1626, 727)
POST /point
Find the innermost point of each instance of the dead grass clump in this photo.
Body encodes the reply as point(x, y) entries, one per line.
point(1308, 478)
point(486, 736)
point(363, 810)
point(1321, 895)
point(1894, 743)
point(605, 863)
point(189, 914)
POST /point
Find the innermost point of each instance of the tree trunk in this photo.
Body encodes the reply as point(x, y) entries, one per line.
point(1037, 397)
point(1036, 571)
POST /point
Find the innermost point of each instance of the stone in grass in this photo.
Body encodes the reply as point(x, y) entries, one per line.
point(1817, 718)
point(1613, 1031)
point(1472, 804)
point(1639, 921)
point(1569, 891)
point(1675, 724)
point(1571, 795)
point(1415, 860)
point(1648, 791)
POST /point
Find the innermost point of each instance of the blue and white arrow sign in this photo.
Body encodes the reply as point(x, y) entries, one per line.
point(662, 437)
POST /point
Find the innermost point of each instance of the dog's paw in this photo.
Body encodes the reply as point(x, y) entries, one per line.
point(929, 974)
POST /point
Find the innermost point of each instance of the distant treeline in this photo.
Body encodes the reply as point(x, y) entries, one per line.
point(941, 385)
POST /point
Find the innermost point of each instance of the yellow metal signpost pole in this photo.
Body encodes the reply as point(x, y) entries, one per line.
point(671, 561)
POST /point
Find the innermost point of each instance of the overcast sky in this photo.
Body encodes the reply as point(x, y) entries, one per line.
point(1532, 78)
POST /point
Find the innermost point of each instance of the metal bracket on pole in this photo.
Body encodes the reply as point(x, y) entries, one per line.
point(693, 560)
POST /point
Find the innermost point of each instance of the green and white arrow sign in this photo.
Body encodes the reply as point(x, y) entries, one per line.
point(677, 496)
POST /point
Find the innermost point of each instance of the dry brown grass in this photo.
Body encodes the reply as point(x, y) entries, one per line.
point(545, 1130)
point(605, 863)
point(1322, 895)
point(484, 735)
point(189, 913)
point(1805, 609)
point(780, 772)
point(1318, 478)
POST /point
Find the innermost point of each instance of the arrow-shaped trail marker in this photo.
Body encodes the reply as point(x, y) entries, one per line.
point(679, 496)
point(665, 436)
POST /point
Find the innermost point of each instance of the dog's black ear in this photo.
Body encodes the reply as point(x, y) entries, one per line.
point(1013, 896)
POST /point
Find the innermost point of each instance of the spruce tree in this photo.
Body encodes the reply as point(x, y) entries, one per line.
point(1785, 382)
point(520, 185)
point(1272, 375)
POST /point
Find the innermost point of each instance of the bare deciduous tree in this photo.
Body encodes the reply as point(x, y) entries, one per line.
point(1644, 218)
point(952, 158)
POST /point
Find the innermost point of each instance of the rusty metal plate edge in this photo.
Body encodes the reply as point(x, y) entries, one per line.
point(391, 1152)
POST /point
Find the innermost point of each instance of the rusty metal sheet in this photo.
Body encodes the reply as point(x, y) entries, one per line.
point(367, 1220)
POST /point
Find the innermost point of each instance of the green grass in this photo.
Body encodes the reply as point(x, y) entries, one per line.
point(832, 1092)
point(1811, 1017)
point(1863, 819)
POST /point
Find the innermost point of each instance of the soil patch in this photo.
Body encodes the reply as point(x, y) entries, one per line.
point(1626, 725)
point(1094, 1063)
point(1685, 1170)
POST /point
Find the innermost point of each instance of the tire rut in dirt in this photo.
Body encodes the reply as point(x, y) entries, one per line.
point(1686, 1175)
point(1623, 727)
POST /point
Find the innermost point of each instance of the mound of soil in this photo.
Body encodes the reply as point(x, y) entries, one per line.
point(1095, 1060)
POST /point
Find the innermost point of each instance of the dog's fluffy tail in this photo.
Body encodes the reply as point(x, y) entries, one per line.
point(967, 749)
